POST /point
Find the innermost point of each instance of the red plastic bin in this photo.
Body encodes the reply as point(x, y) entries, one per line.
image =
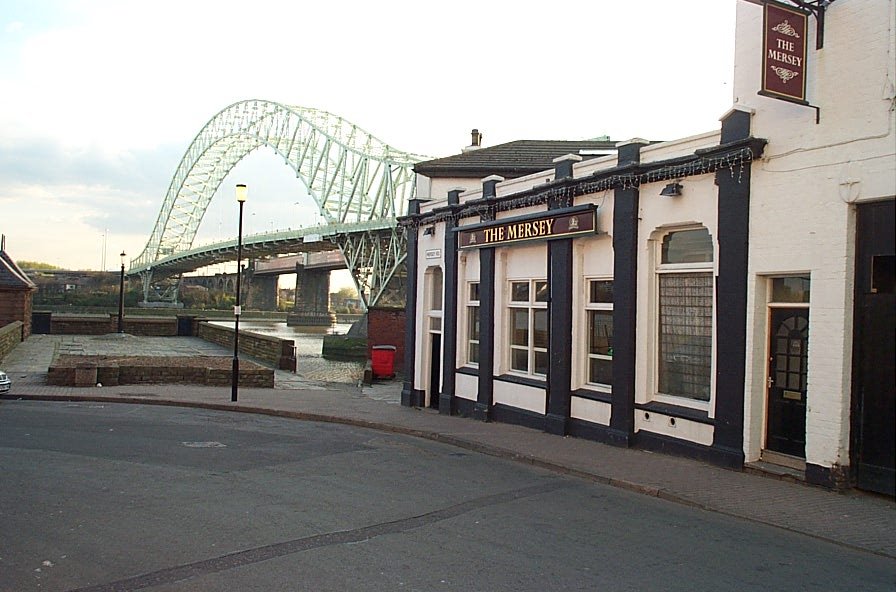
point(382, 361)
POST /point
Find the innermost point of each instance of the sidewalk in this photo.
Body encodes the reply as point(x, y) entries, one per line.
point(853, 519)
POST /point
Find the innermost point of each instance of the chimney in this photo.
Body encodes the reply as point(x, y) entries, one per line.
point(475, 141)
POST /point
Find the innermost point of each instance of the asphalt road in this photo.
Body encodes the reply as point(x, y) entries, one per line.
point(105, 497)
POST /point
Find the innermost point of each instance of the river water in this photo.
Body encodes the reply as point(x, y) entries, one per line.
point(309, 341)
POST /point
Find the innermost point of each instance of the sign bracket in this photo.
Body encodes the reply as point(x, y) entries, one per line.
point(817, 8)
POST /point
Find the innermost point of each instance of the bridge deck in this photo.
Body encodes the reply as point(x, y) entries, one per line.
point(324, 260)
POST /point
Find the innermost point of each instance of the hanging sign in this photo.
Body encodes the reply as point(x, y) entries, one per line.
point(784, 53)
point(527, 228)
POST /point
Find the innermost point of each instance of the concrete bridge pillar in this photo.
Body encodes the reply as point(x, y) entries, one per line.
point(312, 307)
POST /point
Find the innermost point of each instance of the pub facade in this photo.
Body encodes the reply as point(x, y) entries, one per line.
point(727, 296)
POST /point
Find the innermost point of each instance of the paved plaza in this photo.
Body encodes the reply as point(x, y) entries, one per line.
point(30, 360)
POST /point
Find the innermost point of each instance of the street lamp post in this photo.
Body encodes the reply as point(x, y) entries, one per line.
point(241, 192)
point(121, 297)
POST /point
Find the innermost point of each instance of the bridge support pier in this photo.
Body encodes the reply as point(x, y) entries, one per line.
point(263, 291)
point(312, 307)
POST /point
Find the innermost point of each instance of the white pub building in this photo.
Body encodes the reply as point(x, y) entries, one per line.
point(727, 296)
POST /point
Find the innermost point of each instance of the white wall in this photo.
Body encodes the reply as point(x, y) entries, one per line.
point(801, 215)
point(433, 242)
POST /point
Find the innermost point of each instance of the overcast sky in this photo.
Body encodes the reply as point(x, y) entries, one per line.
point(100, 99)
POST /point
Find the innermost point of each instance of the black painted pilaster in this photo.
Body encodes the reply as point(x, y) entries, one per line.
point(559, 336)
point(485, 397)
point(490, 186)
point(560, 262)
point(563, 165)
point(731, 293)
point(625, 299)
point(735, 126)
point(450, 312)
point(409, 395)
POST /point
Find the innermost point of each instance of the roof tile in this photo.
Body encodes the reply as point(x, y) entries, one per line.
point(11, 276)
point(513, 159)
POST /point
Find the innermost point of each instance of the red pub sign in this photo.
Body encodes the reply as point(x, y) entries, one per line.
point(784, 53)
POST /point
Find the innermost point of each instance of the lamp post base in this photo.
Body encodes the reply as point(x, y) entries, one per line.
point(235, 374)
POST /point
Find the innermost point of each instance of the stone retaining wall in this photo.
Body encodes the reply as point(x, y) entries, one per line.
point(280, 352)
point(87, 371)
point(61, 324)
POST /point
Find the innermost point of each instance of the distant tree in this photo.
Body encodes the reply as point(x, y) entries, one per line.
point(132, 297)
point(196, 297)
point(36, 265)
point(222, 301)
point(345, 300)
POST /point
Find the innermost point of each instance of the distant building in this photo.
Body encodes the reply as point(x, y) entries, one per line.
point(53, 285)
point(339, 302)
point(16, 292)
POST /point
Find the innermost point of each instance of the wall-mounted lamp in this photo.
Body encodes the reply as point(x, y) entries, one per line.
point(671, 190)
point(429, 230)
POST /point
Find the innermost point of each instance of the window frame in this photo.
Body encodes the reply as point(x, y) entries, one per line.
point(435, 299)
point(532, 305)
point(703, 268)
point(590, 308)
point(472, 305)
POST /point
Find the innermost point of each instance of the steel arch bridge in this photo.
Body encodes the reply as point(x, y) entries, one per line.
point(359, 184)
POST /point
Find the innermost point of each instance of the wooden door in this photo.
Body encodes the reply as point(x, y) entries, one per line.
point(874, 347)
point(788, 359)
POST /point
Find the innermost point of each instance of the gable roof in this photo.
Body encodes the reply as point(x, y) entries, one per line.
point(11, 276)
point(513, 159)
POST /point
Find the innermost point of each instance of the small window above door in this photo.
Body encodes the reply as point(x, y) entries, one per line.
point(790, 290)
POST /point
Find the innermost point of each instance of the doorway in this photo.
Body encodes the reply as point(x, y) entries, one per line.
point(787, 381)
point(873, 399)
point(432, 372)
point(435, 370)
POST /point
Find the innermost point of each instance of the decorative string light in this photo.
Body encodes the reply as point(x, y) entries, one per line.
point(567, 190)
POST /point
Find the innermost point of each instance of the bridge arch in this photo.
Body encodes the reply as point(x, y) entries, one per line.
point(353, 177)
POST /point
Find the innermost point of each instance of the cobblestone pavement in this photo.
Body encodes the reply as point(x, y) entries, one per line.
point(853, 519)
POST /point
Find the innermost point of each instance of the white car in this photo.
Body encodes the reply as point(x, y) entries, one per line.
point(4, 382)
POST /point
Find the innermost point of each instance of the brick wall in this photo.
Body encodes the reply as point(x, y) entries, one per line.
point(385, 326)
point(15, 305)
point(147, 327)
point(10, 336)
point(80, 325)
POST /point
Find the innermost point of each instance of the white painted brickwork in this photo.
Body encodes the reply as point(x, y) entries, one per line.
point(802, 219)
